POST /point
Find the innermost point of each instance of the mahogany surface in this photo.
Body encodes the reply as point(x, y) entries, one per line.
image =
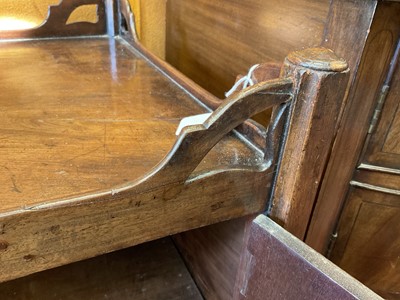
point(90, 110)
point(213, 41)
point(379, 25)
point(367, 238)
point(83, 115)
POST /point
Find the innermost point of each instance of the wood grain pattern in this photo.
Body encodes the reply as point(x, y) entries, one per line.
point(149, 271)
point(212, 253)
point(254, 132)
point(384, 144)
point(367, 243)
point(310, 136)
point(80, 118)
point(234, 35)
point(368, 246)
point(276, 265)
point(317, 93)
point(378, 178)
point(56, 23)
point(362, 97)
point(212, 42)
point(88, 96)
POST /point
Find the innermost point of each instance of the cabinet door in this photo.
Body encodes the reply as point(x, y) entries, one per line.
point(368, 246)
point(383, 148)
point(277, 265)
point(368, 237)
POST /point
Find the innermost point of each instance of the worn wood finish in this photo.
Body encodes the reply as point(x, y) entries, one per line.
point(46, 236)
point(314, 96)
point(370, 218)
point(276, 265)
point(368, 243)
point(228, 29)
point(378, 178)
point(72, 122)
point(321, 78)
point(152, 270)
point(219, 245)
point(69, 83)
point(56, 23)
point(362, 97)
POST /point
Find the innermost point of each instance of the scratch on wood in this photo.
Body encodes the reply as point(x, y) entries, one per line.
point(13, 180)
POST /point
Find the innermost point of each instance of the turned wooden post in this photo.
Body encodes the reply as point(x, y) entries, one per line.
point(320, 81)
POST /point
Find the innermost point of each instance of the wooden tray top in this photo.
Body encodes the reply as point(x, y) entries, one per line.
point(79, 116)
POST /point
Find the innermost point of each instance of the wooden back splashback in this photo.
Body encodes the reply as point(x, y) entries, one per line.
point(213, 41)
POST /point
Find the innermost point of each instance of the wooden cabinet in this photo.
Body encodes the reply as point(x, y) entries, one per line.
point(368, 238)
point(219, 169)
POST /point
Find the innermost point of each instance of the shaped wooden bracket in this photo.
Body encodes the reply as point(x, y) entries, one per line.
point(195, 141)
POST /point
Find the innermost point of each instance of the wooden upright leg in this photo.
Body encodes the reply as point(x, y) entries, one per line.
point(321, 78)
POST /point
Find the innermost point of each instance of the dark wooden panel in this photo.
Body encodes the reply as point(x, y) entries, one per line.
point(352, 132)
point(213, 255)
point(384, 144)
point(276, 265)
point(213, 41)
point(148, 271)
point(368, 246)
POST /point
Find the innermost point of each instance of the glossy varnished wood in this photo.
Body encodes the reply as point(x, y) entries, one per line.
point(93, 98)
point(80, 119)
point(320, 79)
point(149, 271)
point(276, 265)
point(233, 36)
